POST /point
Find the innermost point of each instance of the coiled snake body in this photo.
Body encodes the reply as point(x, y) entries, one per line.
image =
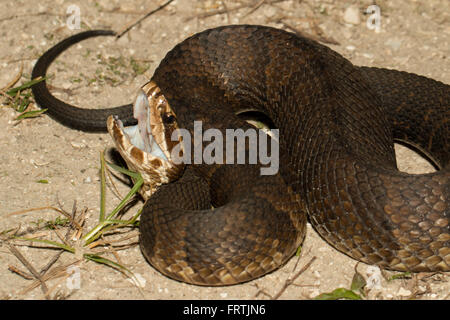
point(337, 124)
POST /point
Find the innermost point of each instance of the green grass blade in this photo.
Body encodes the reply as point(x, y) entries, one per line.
point(358, 283)
point(339, 293)
point(31, 114)
point(403, 275)
point(24, 102)
point(49, 242)
point(12, 92)
point(102, 186)
point(123, 170)
point(91, 236)
point(108, 262)
point(131, 193)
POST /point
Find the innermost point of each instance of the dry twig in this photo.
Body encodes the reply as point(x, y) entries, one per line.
point(14, 81)
point(29, 266)
point(226, 10)
point(290, 281)
point(68, 216)
point(56, 272)
point(21, 273)
point(138, 21)
point(318, 36)
point(255, 7)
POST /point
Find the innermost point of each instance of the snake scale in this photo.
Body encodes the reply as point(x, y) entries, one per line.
point(220, 224)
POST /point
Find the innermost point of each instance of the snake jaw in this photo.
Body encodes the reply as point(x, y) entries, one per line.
point(141, 134)
point(144, 146)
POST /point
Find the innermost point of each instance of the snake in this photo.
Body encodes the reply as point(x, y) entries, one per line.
point(224, 223)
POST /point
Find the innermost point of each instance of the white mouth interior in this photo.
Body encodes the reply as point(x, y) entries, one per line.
point(140, 135)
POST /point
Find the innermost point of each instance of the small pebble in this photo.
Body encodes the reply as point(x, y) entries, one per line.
point(403, 292)
point(393, 43)
point(374, 277)
point(78, 145)
point(270, 11)
point(351, 15)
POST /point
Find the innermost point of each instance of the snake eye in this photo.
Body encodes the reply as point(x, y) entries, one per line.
point(168, 118)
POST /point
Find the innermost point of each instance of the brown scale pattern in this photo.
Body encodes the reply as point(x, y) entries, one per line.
point(337, 126)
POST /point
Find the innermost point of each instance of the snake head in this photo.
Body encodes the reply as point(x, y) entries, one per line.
point(147, 146)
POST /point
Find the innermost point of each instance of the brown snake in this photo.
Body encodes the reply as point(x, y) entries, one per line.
point(337, 125)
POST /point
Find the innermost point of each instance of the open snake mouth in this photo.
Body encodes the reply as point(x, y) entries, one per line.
point(146, 147)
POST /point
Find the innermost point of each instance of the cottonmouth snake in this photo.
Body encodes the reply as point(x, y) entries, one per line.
point(337, 124)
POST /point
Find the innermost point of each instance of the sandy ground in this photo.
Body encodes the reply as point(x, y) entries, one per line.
point(413, 36)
